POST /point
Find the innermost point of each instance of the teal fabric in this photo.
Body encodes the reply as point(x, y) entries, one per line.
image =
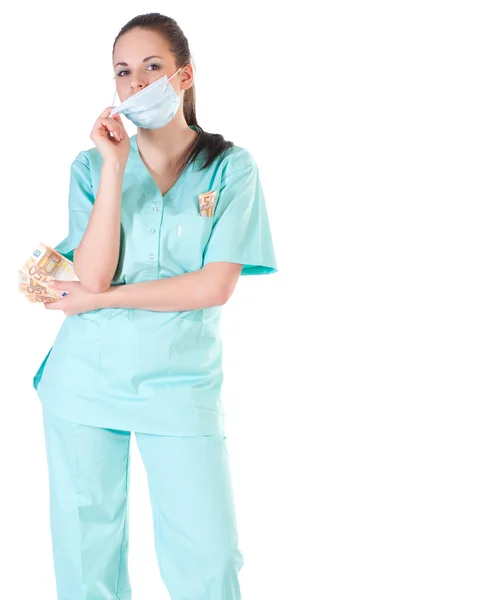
point(81, 202)
point(150, 371)
point(194, 519)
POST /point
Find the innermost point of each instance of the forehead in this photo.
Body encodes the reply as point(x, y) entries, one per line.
point(137, 44)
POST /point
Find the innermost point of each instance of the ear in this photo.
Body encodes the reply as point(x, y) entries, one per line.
point(187, 77)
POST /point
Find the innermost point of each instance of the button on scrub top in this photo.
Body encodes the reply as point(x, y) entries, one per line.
point(150, 371)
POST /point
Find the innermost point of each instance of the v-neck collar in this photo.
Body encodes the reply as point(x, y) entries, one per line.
point(145, 177)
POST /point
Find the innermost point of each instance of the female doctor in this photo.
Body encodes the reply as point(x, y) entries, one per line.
point(161, 225)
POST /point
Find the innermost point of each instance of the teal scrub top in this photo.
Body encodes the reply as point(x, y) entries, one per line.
point(150, 371)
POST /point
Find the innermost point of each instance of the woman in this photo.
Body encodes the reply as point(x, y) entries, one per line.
point(161, 225)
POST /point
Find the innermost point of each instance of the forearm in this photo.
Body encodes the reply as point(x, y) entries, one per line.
point(190, 291)
point(96, 257)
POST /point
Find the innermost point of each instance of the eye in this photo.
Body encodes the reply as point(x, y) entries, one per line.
point(119, 74)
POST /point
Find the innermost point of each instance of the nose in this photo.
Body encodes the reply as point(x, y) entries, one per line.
point(136, 86)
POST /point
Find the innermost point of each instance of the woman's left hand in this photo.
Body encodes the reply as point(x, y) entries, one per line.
point(78, 299)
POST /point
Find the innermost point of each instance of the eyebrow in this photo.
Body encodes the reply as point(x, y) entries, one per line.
point(124, 64)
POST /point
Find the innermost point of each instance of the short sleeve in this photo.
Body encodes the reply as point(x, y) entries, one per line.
point(81, 202)
point(241, 229)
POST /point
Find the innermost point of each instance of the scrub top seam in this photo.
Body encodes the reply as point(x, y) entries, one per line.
point(159, 252)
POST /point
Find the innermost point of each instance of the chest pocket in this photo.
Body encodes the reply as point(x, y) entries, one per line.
point(184, 238)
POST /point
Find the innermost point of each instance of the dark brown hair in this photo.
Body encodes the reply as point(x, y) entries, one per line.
point(210, 145)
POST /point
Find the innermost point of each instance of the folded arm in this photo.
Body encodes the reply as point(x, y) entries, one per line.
point(211, 286)
point(102, 235)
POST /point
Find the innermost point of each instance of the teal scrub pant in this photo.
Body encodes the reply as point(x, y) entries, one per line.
point(194, 520)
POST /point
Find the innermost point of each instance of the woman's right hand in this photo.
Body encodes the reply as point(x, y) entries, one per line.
point(112, 149)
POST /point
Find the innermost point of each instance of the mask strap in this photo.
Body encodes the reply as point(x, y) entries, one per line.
point(114, 98)
point(174, 73)
point(181, 93)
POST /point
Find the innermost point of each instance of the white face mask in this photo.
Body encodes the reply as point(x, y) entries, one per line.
point(152, 107)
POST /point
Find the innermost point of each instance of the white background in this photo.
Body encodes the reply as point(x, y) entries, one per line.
point(359, 379)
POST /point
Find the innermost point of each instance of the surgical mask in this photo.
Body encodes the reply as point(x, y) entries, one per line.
point(152, 107)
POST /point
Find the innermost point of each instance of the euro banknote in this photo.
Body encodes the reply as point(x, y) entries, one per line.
point(43, 266)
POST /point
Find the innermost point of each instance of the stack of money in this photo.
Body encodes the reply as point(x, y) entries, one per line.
point(43, 266)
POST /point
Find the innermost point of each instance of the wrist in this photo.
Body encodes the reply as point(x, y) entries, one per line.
point(114, 167)
point(96, 300)
point(104, 299)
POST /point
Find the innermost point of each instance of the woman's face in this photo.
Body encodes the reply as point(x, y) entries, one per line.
point(142, 56)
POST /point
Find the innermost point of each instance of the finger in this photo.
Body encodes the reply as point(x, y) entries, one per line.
point(117, 118)
point(55, 305)
point(61, 285)
point(121, 123)
point(110, 133)
point(105, 126)
point(107, 111)
point(110, 122)
point(113, 127)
